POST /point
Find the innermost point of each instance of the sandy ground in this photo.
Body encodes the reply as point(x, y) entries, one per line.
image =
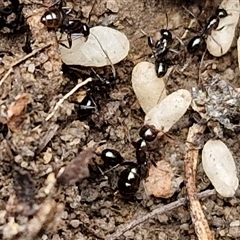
point(32, 150)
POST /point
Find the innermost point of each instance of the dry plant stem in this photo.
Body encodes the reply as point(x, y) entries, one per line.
point(52, 129)
point(162, 209)
point(58, 104)
point(201, 226)
point(104, 51)
point(20, 61)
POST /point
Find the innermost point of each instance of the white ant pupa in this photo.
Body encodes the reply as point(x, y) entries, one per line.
point(220, 40)
point(144, 74)
point(219, 166)
point(105, 46)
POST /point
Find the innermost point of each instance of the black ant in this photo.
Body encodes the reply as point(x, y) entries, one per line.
point(57, 18)
point(160, 50)
point(198, 43)
point(130, 178)
point(86, 108)
point(111, 157)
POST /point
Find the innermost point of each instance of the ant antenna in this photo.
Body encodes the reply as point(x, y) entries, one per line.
point(165, 12)
point(191, 14)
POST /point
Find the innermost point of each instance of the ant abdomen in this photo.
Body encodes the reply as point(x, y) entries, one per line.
point(52, 19)
point(196, 44)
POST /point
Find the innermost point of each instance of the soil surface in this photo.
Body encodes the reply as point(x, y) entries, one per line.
point(34, 147)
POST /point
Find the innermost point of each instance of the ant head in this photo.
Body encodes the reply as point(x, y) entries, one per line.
point(166, 34)
point(148, 133)
point(221, 13)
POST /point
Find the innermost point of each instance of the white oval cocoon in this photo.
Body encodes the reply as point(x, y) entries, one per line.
point(221, 40)
point(220, 167)
point(169, 110)
point(149, 89)
point(91, 54)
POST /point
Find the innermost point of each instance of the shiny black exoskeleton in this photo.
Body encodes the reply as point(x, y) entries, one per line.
point(161, 46)
point(111, 157)
point(86, 107)
point(160, 50)
point(148, 133)
point(130, 178)
point(141, 148)
point(198, 43)
point(57, 18)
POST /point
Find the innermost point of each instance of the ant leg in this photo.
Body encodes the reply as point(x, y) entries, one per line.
point(68, 11)
point(191, 30)
point(199, 23)
point(111, 169)
point(69, 39)
point(151, 42)
point(58, 2)
point(91, 11)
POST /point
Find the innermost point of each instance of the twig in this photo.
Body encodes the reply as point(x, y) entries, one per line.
point(105, 52)
point(58, 104)
point(191, 157)
point(52, 129)
point(21, 60)
point(162, 209)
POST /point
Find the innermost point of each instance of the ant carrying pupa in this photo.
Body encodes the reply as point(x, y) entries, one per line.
point(218, 33)
point(81, 45)
point(58, 18)
point(198, 43)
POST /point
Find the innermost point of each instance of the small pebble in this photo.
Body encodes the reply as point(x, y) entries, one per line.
point(159, 183)
point(75, 223)
point(31, 68)
point(235, 223)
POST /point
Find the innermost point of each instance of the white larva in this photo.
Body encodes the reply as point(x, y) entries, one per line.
point(169, 110)
point(220, 40)
point(103, 43)
point(149, 89)
point(219, 166)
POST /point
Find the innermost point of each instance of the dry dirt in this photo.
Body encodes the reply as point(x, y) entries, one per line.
point(32, 150)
